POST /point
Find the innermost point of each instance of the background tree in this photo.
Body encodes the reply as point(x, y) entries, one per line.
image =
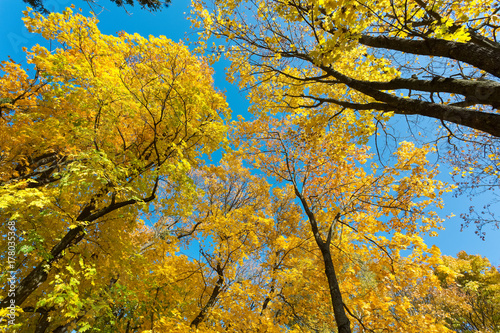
point(470, 298)
point(477, 173)
point(360, 218)
point(436, 60)
point(86, 143)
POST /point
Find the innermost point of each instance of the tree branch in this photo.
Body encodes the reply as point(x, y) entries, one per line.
point(478, 56)
point(39, 274)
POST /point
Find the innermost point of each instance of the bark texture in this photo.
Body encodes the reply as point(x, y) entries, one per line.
point(481, 57)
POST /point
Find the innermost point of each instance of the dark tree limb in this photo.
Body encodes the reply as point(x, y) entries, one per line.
point(485, 92)
point(483, 121)
point(483, 58)
point(213, 297)
point(40, 273)
point(343, 323)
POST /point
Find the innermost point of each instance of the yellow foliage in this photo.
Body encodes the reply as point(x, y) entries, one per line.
point(104, 126)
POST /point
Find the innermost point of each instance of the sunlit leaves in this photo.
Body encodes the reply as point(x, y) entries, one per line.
point(470, 299)
point(103, 126)
point(374, 216)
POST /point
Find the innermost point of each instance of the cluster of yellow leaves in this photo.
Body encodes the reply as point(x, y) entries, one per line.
point(470, 297)
point(91, 131)
point(377, 214)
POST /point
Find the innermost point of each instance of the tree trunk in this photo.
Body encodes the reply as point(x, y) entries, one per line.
point(343, 322)
point(340, 316)
point(213, 298)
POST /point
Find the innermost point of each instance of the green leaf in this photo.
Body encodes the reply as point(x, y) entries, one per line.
point(26, 249)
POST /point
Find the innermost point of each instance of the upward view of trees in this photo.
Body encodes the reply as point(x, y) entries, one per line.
point(113, 221)
point(432, 59)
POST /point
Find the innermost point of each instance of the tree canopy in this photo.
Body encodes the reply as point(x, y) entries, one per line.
point(340, 42)
point(114, 222)
point(421, 60)
point(102, 125)
point(360, 218)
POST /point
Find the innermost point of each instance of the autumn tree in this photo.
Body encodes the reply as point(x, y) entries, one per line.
point(461, 87)
point(470, 299)
point(361, 217)
point(87, 140)
point(420, 60)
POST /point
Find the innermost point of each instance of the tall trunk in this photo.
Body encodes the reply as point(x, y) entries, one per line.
point(343, 322)
point(341, 319)
point(213, 297)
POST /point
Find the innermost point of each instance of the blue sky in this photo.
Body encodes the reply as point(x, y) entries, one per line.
point(172, 23)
